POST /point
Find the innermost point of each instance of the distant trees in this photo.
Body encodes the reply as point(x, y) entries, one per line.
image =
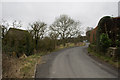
point(16, 24)
point(38, 30)
point(65, 27)
point(3, 30)
point(4, 27)
point(63, 30)
point(89, 29)
point(54, 37)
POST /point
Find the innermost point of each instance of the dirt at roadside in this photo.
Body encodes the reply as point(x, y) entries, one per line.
point(10, 67)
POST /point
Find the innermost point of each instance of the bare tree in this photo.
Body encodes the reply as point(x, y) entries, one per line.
point(4, 27)
point(65, 27)
point(54, 37)
point(89, 28)
point(38, 31)
point(16, 24)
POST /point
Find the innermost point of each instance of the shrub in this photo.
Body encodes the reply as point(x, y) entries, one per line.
point(18, 41)
point(117, 42)
point(46, 44)
point(105, 42)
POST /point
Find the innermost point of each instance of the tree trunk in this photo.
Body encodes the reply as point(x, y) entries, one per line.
point(36, 42)
point(64, 42)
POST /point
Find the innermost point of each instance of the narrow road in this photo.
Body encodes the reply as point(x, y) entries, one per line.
point(73, 63)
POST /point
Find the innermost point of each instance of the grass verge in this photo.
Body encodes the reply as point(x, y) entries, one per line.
point(27, 70)
point(104, 58)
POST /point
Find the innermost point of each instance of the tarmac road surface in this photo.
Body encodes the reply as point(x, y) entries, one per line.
point(73, 63)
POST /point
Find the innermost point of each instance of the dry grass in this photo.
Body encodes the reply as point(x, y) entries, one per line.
point(20, 68)
point(71, 45)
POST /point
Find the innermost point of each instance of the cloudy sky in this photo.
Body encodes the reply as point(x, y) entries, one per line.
point(88, 13)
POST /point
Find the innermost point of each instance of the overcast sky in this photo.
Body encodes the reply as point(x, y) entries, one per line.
point(88, 13)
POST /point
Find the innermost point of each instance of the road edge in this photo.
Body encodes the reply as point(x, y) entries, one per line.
point(104, 63)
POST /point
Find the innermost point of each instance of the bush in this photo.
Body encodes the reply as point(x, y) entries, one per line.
point(46, 44)
point(18, 41)
point(117, 42)
point(118, 53)
point(105, 42)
